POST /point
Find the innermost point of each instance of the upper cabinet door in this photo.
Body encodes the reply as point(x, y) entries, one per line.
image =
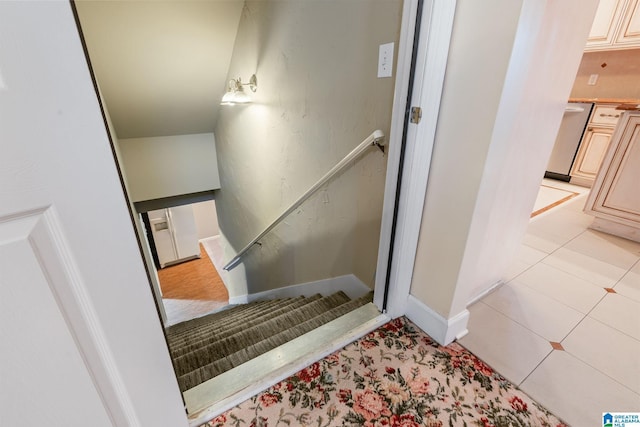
point(629, 32)
point(605, 23)
point(616, 26)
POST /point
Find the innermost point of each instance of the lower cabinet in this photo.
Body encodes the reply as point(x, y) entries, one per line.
point(590, 154)
point(594, 144)
point(615, 197)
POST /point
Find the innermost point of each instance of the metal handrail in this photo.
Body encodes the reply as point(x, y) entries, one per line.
point(372, 140)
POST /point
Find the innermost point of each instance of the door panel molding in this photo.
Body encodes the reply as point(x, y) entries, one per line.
point(42, 230)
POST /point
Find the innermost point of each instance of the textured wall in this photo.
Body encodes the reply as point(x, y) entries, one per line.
point(318, 97)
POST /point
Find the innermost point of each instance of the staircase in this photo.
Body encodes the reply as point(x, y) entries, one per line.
point(208, 346)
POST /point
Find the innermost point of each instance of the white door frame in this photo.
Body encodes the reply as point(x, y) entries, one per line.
point(431, 61)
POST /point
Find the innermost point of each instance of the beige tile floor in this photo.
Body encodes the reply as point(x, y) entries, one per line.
point(573, 286)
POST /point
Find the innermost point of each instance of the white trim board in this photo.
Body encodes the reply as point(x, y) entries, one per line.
point(349, 284)
point(431, 63)
point(393, 146)
point(486, 292)
point(444, 331)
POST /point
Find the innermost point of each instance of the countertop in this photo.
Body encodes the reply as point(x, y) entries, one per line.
point(625, 101)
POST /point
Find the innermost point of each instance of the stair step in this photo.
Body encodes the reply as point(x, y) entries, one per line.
point(260, 332)
point(221, 329)
point(210, 370)
point(210, 336)
point(185, 328)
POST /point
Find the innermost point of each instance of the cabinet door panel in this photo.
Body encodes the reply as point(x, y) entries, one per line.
point(630, 30)
point(605, 22)
point(594, 154)
point(615, 199)
point(624, 195)
point(592, 150)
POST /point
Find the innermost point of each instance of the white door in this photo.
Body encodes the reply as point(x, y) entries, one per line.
point(81, 340)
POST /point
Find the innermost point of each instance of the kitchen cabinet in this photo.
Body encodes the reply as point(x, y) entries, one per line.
point(615, 26)
point(594, 144)
point(614, 199)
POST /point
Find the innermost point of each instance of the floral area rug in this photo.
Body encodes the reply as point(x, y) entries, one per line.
point(396, 376)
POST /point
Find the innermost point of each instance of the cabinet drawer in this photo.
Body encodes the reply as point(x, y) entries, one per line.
point(605, 115)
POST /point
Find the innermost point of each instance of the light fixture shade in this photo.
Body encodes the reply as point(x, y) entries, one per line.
point(227, 98)
point(235, 92)
point(240, 97)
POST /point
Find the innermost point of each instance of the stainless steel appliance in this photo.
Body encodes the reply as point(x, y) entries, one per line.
point(574, 122)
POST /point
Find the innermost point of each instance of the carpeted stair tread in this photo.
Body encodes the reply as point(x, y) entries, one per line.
point(252, 310)
point(243, 355)
point(180, 328)
point(210, 336)
point(262, 316)
point(263, 331)
point(221, 317)
point(221, 329)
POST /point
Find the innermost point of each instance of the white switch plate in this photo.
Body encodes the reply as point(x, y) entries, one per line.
point(385, 60)
point(593, 78)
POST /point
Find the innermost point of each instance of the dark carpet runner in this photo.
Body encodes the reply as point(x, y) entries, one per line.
point(208, 346)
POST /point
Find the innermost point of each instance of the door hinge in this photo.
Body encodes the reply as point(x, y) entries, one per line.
point(416, 114)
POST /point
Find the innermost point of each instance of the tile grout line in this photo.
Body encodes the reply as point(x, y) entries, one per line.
point(587, 363)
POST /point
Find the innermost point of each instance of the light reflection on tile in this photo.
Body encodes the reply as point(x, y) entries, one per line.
point(505, 345)
point(579, 289)
point(577, 392)
point(610, 355)
point(540, 314)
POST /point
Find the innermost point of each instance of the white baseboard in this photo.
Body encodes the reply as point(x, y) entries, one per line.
point(486, 292)
point(444, 331)
point(242, 299)
point(349, 284)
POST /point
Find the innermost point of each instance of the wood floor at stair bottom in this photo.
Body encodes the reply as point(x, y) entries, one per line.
point(195, 364)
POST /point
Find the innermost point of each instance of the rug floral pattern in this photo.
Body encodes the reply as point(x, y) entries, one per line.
point(396, 376)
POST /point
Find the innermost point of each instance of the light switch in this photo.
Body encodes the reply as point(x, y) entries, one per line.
point(385, 60)
point(593, 78)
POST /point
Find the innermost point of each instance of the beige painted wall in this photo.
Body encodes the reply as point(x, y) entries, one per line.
point(206, 219)
point(504, 96)
point(619, 78)
point(318, 97)
point(467, 116)
point(168, 166)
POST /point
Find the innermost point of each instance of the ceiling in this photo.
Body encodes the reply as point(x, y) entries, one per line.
point(161, 65)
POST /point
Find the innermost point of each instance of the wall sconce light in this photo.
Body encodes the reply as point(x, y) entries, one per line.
point(235, 92)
